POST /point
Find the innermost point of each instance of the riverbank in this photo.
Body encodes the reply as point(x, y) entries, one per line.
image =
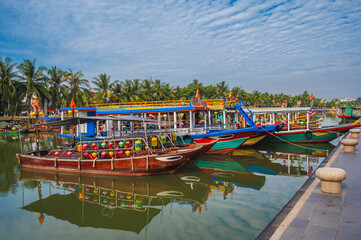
point(311, 214)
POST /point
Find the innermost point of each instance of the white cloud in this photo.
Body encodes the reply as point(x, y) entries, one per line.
point(266, 41)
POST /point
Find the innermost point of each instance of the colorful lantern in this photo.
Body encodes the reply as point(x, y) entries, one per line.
point(127, 153)
point(181, 124)
point(121, 144)
point(94, 155)
point(174, 137)
point(104, 154)
point(101, 127)
point(120, 154)
point(138, 145)
point(86, 155)
point(85, 146)
point(127, 143)
point(112, 127)
point(111, 154)
point(79, 148)
point(69, 154)
point(103, 144)
point(164, 139)
point(56, 154)
point(94, 145)
point(117, 148)
point(182, 115)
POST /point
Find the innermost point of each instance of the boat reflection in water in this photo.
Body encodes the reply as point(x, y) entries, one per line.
point(121, 203)
point(131, 203)
point(300, 159)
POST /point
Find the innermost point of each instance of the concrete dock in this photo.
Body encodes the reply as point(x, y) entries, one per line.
point(317, 215)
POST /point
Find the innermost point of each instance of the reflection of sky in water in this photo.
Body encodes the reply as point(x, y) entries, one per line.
point(240, 214)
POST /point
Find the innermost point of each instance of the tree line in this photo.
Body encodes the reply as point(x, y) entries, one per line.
point(55, 87)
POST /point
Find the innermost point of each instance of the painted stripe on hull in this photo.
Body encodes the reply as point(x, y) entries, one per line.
point(253, 140)
point(302, 138)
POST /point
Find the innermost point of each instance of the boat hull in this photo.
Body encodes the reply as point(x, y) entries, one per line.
point(228, 140)
point(321, 135)
point(127, 166)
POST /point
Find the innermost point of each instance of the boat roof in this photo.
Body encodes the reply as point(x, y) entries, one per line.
point(81, 120)
point(279, 110)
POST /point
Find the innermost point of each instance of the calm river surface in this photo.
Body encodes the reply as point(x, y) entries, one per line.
point(231, 196)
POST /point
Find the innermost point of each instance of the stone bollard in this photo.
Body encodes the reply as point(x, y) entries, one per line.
point(355, 132)
point(349, 145)
point(331, 179)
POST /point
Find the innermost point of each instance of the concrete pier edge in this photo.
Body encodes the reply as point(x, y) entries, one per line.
point(282, 220)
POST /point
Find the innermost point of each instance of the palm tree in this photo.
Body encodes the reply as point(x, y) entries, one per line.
point(33, 81)
point(222, 89)
point(7, 74)
point(147, 90)
point(56, 86)
point(103, 88)
point(77, 87)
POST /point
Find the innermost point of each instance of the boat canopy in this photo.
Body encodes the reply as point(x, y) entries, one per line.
point(82, 120)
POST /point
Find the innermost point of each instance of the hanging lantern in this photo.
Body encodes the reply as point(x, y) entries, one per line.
point(112, 127)
point(101, 127)
point(124, 127)
point(94, 145)
point(182, 115)
point(32, 114)
point(165, 126)
point(174, 137)
point(70, 112)
point(154, 142)
point(127, 153)
point(164, 139)
point(41, 114)
point(79, 148)
point(86, 155)
point(56, 154)
point(103, 144)
point(121, 143)
point(181, 124)
point(94, 155)
point(127, 143)
point(138, 145)
point(136, 126)
point(104, 154)
point(69, 154)
point(165, 116)
point(117, 148)
point(111, 154)
point(110, 144)
point(85, 146)
point(76, 111)
point(120, 154)
point(215, 113)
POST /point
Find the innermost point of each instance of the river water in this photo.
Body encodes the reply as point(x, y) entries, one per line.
point(232, 196)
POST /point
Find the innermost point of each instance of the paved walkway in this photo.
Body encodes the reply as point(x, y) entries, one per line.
point(329, 216)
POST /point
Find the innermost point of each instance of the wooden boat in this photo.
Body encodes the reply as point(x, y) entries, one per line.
point(132, 157)
point(12, 132)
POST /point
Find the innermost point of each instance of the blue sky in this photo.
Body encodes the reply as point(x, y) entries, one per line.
point(275, 46)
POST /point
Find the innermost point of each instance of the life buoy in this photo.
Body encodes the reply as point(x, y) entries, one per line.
point(190, 137)
point(308, 134)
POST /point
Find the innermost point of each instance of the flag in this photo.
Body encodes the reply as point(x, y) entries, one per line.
point(72, 104)
point(197, 94)
point(230, 95)
point(311, 97)
point(36, 104)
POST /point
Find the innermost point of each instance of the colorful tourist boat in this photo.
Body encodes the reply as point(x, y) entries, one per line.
point(194, 118)
point(133, 157)
point(348, 113)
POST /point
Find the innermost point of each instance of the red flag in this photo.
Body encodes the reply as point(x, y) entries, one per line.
point(197, 94)
point(36, 104)
point(311, 97)
point(72, 104)
point(230, 95)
